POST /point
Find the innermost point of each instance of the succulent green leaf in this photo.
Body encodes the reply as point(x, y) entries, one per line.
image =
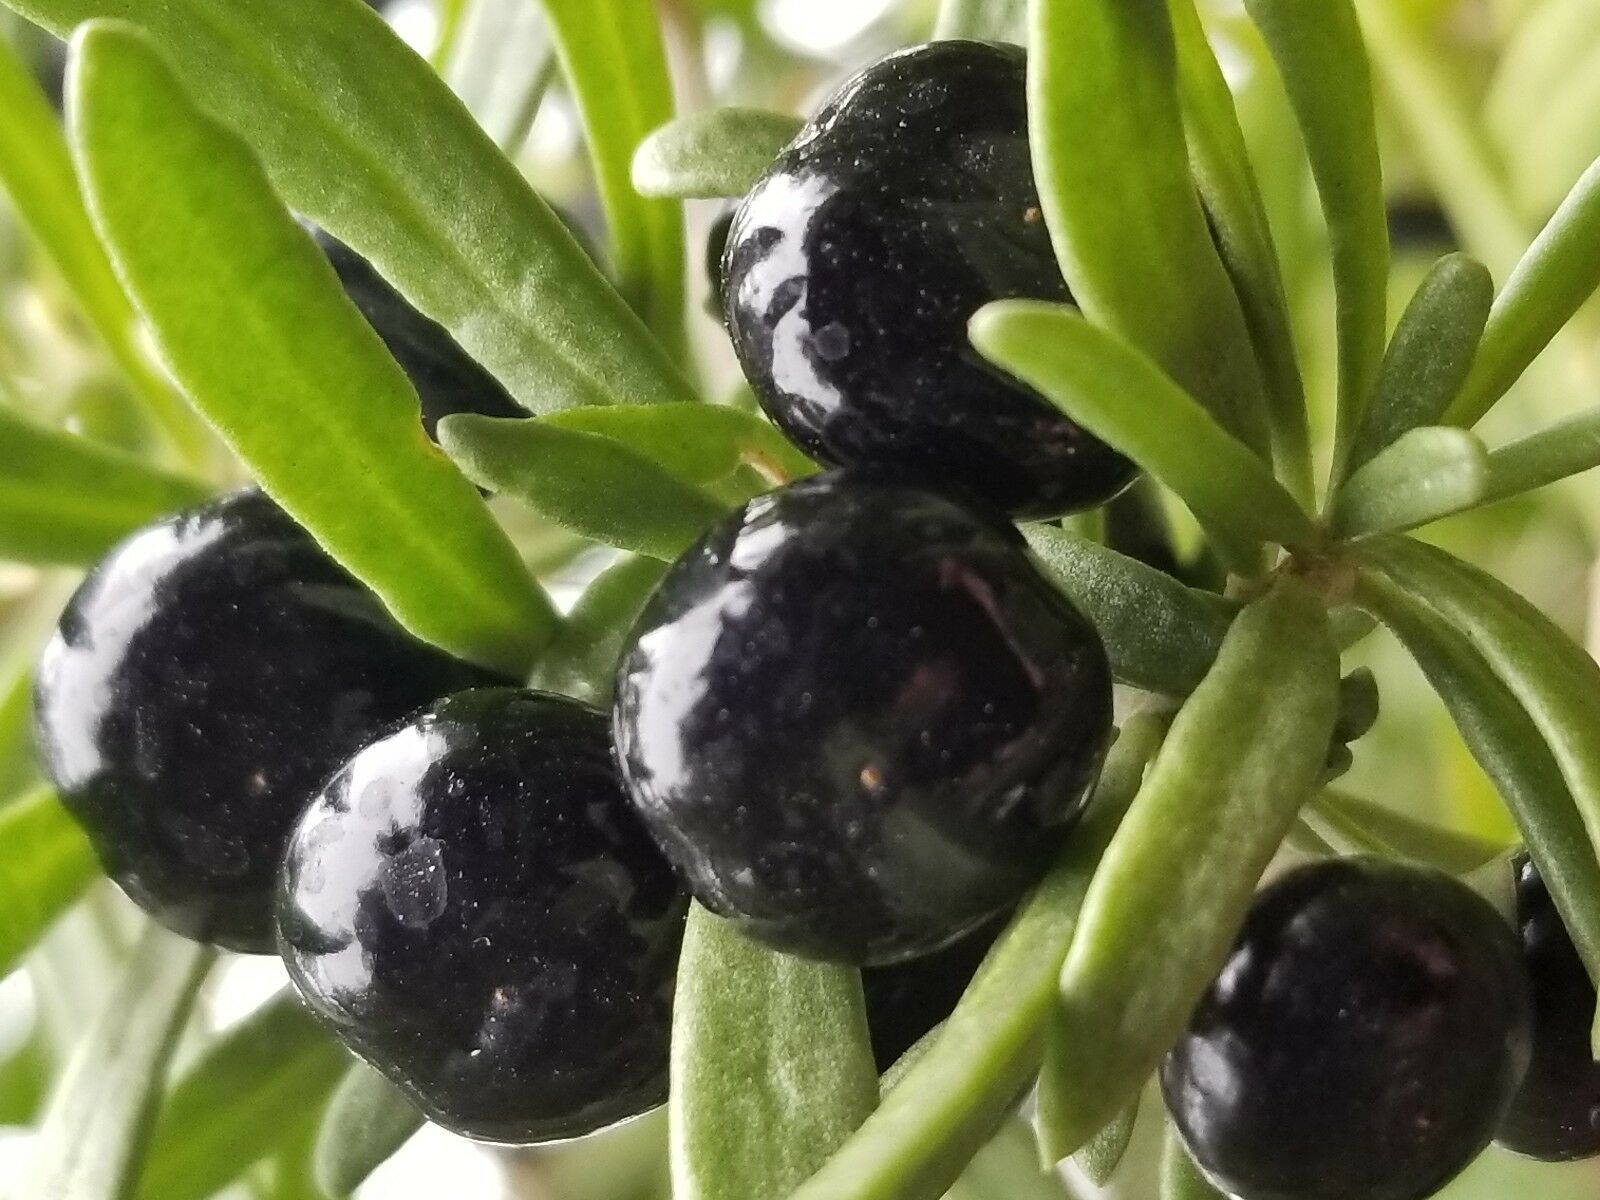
point(713, 154)
point(615, 64)
point(65, 499)
point(1159, 635)
point(1101, 1155)
point(1167, 900)
point(1559, 272)
point(596, 487)
point(582, 661)
point(1426, 474)
point(91, 1141)
point(500, 61)
point(1123, 398)
point(1180, 1178)
point(1323, 62)
point(367, 1120)
point(1008, 1169)
point(252, 321)
point(699, 443)
point(1114, 180)
point(245, 1099)
point(1428, 357)
point(46, 864)
point(985, 1056)
point(362, 137)
point(1221, 163)
point(1356, 826)
point(1566, 448)
point(771, 1067)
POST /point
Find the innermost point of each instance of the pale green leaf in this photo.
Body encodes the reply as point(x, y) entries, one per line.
point(1101, 1155)
point(713, 154)
point(1426, 474)
point(46, 864)
point(367, 1121)
point(582, 661)
point(1180, 1178)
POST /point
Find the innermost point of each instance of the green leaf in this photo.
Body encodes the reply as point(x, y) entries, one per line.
point(598, 488)
point(1227, 181)
point(91, 1141)
point(64, 499)
point(1508, 746)
point(616, 67)
point(1323, 62)
point(1180, 1178)
point(1115, 184)
point(36, 173)
point(245, 1099)
point(1565, 448)
point(46, 864)
point(771, 1066)
point(1552, 44)
point(1429, 355)
point(252, 320)
point(500, 63)
point(1426, 474)
point(362, 137)
point(969, 1080)
point(1101, 1155)
point(1160, 635)
point(1356, 826)
point(713, 154)
point(1008, 1169)
point(983, 20)
point(582, 661)
point(1174, 887)
point(1124, 399)
point(366, 1123)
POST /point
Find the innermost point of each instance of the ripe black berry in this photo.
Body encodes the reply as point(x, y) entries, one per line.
point(205, 679)
point(1361, 1043)
point(473, 906)
point(1556, 1113)
point(853, 267)
point(858, 719)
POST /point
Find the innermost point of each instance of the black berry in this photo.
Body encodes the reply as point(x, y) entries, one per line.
point(205, 679)
point(473, 906)
point(1556, 1113)
point(853, 267)
point(1361, 1043)
point(906, 1001)
point(859, 720)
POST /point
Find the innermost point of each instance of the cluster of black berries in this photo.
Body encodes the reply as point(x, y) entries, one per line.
point(854, 718)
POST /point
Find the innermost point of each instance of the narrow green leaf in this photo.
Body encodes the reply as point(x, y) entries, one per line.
point(36, 174)
point(971, 1076)
point(501, 63)
point(616, 67)
point(46, 863)
point(245, 1099)
point(1566, 448)
point(1120, 200)
point(1429, 355)
point(1008, 1169)
point(1168, 899)
point(1125, 400)
point(1423, 476)
point(252, 320)
point(1180, 1178)
point(367, 1121)
point(1227, 182)
point(1509, 747)
point(1101, 1155)
point(598, 488)
point(91, 1142)
point(713, 154)
point(1356, 826)
point(983, 20)
point(362, 137)
point(27, 626)
point(582, 661)
point(771, 1067)
point(1323, 62)
point(64, 499)
point(1559, 272)
point(1160, 635)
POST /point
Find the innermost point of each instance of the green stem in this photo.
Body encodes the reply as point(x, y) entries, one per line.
point(452, 14)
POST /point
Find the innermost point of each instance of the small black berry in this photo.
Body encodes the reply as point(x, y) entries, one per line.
point(204, 680)
point(854, 265)
point(474, 908)
point(1361, 1043)
point(1556, 1113)
point(859, 720)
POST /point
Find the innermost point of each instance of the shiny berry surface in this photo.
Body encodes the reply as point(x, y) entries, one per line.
point(854, 265)
point(203, 682)
point(1361, 1043)
point(858, 719)
point(1556, 1113)
point(474, 908)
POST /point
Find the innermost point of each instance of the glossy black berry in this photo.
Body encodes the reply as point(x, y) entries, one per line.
point(859, 720)
point(854, 265)
point(446, 377)
point(206, 678)
point(906, 1001)
point(1361, 1043)
point(474, 907)
point(1556, 1113)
